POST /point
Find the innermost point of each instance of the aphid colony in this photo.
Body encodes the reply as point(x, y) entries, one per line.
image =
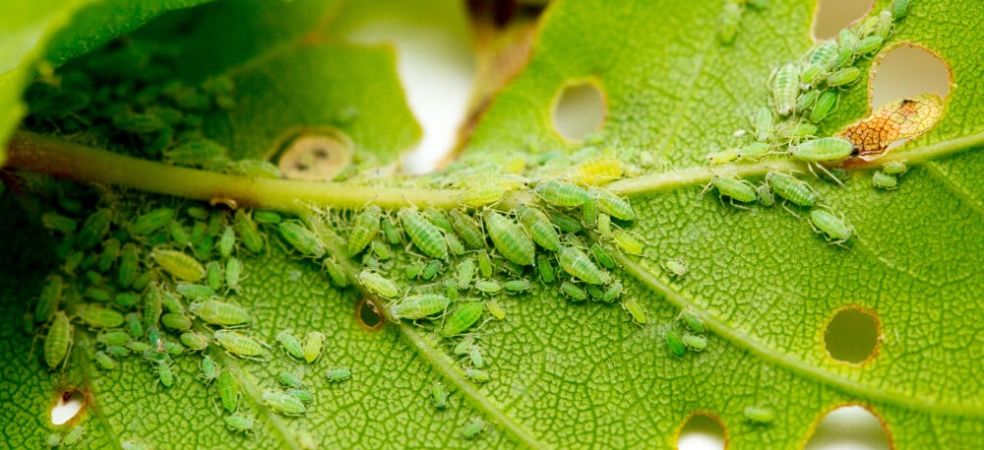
point(803, 94)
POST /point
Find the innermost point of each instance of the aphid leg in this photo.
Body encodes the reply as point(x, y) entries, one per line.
point(790, 211)
point(830, 175)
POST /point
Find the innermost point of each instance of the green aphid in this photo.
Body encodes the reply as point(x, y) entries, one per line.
point(613, 292)
point(153, 305)
point(797, 191)
point(132, 444)
point(112, 337)
point(104, 361)
point(194, 341)
point(900, 8)
point(636, 310)
point(390, 232)
point(602, 256)
point(844, 76)
point(573, 291)
point(137, 123)
point(420, 306)
point(694, 342)
point(834, 228)
point(762, 123)
point(477, 375)
point(238, 344)
point(151, 221)
point(209, 369)
point(143, 280)
point(440, 395)
point(177, 322)
point(476, 358)
point(248, 233)
point(217, 312)
point(824, 106)
point(338, 374)
point(301, 238)
point(233, 272)
point(302, 395)
point(378, 284)
point(134, 326)
point(57, 222)
point(883, 25)
point(213, 275)
point(194, 291)
point(95, 278)
point(589, 214)
point(821, 59)
point(734, 188)
point(110, 251)
point(97, 316)
point(72, 261)
point(613, 205)
point(545, 269)
point(465, 272)
point(118, 351)
point(496, 309)
point(807, 100)
point(484, 264)
point(895, 168)
point(577, 264)
point(723, 157)
point(765, 195)
point(785, 88)
point(97, 294)
point(431, 270)
point(198, 153)
point(365, 227)
point(539, 227)
point(267, 217)
point(826, 149)
point(197, 212)
point(73, 437)
point(425, 236)
point(868, 45)
point(759, 414)
point(49, 299)
point(173, 348)
point(463, 317)
point(473, 428)
point(313, 343)
point(54, 439)
point(439, 219)
point(451, 289)
point(291, 344)
point(140, 347)
point(94, 228)
point(509, 239)
point(181, 266)
point(455, 246)
point(490, 287)
point(566, 223)
point(882, 180)
point(464, 346)
point(335, 272)
point(215, 225)
point(693, 322)
point(728, 22)
point(239, 423)
point(675, 344)
point(677, 267)
point(562, 194)
point(847, 44)
point(290, 379)
point(154, 336)
point(468, 229)
point(228, 387)
point(164, 374)
point(58, 341)
point(227, 242)
point(517, 286)
point(414, 269)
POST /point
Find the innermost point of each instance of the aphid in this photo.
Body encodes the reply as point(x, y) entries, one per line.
point(118, 351)
point(821, 59)
point(195, 341)
point(847, 44)
point(759, 414)
point(602, 256)
point(496, 309)
point(488, 286)
point(734, 188)
point(302, 395)
point(834, 228)
point(57, 222)
point(477, 375)
point(439, 219)
point(239, 423)
point(238, 344)
point(110, 251)
point(869, 44)
point(539, 226)
point(198, 152)
point(900, 8)
point(178, 264)
point(173, 348)
point(473, 428)
point(431, 269)
point(365, 227)
point(484, 264)
point(390, 232)
point(151, 221)
point(58, 341)
point(463, 317)
point(96, 294)
point(883, 26)
point(466, 227)
point(578, 265)
point(164, 374)
point(566, 223)
point(227, 242)
point(143, 280)
point(425, 236)
point(573, 291)
point(824, 105)
point(440, 395)
point(635, 310)
point(785, 87)
point(177, 322)
point(217, 312)
point(765, 196)
point(420, 306)
point(676, 266)
point(378, 284)
point(49, 299)
point(464, 346)
point(233, 271)
point(693, 322)
point(414, 269)
point(301, 238)
point(793, 189)
point(843, 77)
point(290, 379)
point(827, 149)
point(723, 156)
point(247, 231)
point(509, 239)
point(93, 229)
point(73, 437)
point(762, 123)
point(99, 317)
point(339, 374)
point(338, 276)
point(291, 344)
point(127, 271)
point(153, 305)
point(517, 286)
point(313, 343)
point(807, 100)
point(694, 342)
point(465, 272)
point(627, 242)
point(140, 347)
point(728, 22)
point(228, 387)
point(894, 168)
point(613, 292)
point(882, 180)
point(133, 325)
point(545, 269)
point(114, 337)
point(454, 244)
point(559, 193)
point(193, 291)
point(267, 217)
point(613, 205)
point(675, 344)
point(589, 213)
point(54, 439)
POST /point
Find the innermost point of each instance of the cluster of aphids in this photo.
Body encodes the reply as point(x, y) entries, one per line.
point(804, 93)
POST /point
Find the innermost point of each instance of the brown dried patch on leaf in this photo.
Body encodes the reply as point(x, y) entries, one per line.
point(893, 122)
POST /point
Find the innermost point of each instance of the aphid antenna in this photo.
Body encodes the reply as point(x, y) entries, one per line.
point(829, 175)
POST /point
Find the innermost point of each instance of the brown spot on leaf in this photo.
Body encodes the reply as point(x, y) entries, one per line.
point(893, 122)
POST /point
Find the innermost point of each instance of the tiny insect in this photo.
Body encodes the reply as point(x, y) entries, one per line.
point(313, 343)
point(463, 317)
point(239, 423)
point(58, 341)
point(140, 347)
point(93, 229)
point(96, 294)
point(390, 232)
point(364, 229)
point(694, 342)
point(635, 310)
point(54, 439)
point(844, 77)
point(473, 428)
point(440, 395)
point(195, 341)
point(57, 222)
point(151, 221)
point(425, 235)
point(484, 264)
point(693, 322)
point(762, 123)
point(99, 317)
point(834, 228)
point(110, 251)
point(464, 273)
point(869, 44)
point(301, 238)
point(883, 25)
point(589, 214)
point(900, 8)
point(826, 149)
point(823, 107)
point(613, 292)
point(233, 272)
point(178, 264)
point(759, 414)
point(49, 299)
point(573, 291)
point(488, 286)
point(175, 321)
point(338, 276)
point(733, 188)
point(420, 306)
point(545, 269)
point(807, 100)
point(227, 242)
point(378, 284)
point(792, 189)
point(302, 395)
point(613, 205)
point(171, 303)
point(821, 59)
point(247, 231)
point(290, 379)
point(785, 88)
point(578, 265)
point(431, 269)
point(894, 168)
point(127, 270)
point(496, 309)
point(291, 344)
point(728, 22)
point(468, 229)
point(173, 348)
point(509, 239)
point(723, 156)
point(454, 244)
point(847, 44)
point(539, 227)
point(217, 312)
point(337, 375)
point(559, 193)
point(118, 351)
point(143, 280)
point(439, 219)
point(882, 180)
point(194, 291)
point(114, 337)
point(627, 242)
point(73, 437)
point(765, 196)
point(675, 344)
point(517, 286)
point(164, 374)
point(238, 344)
point(228, 387)
point(602, 256)
point(477, 375)
point(133, 325)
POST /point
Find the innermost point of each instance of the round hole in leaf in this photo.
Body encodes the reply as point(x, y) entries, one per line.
point(315, 154)
point(67, 405)
point(701, 431)
point(850, 426)
point(367, 315)
point(907, 71)
point(833, 15)
point(579, 110)
point(852, 335)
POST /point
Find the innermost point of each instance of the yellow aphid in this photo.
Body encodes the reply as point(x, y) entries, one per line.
point(901, 119)
point(597, 171)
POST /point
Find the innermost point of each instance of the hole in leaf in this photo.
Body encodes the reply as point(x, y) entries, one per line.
point(579, 110)
point(367, 315)
point(832, 15)
point(850, 427)
point(701, 432)
point(68, 405)
point(908, 71)
point(852, 335)
point(317, 155)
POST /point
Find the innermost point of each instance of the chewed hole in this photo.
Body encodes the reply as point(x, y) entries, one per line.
point(849, 427)
point(579, 111)
point(852, 335)
point(701, 432)
point(367, 315)
point(316, 155)
point(68, 405)
point(908, 71)
point(832, 15)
